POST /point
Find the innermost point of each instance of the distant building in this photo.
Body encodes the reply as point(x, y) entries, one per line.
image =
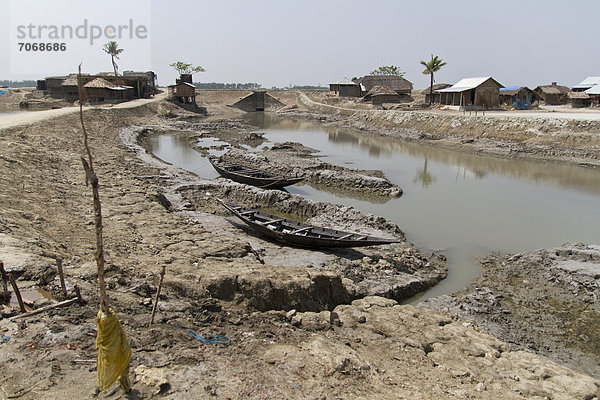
point(472, 93)
point(397, 83)
point(344, 87)
point(382, 94)
point(587, 83)
point(552, 94)
point(54, 86)
point(183, 92)
point(436, 96)
point(517, 97)
point(579, 99)
point(100, 90)
point(131, 85)
point(594, 93)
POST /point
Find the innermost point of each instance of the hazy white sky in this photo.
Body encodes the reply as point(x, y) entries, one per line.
point(279, 43)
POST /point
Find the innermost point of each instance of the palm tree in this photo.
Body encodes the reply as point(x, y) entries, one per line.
point(113, 49)
point(431, 66)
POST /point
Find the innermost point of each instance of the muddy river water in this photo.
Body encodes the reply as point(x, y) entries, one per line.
point(463, 205)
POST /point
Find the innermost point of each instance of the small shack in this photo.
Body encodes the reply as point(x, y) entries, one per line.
point(397, 83)
point(344, 87)
point(517, 97)
point(382, 94)
point(54, 86)
point(70, 90)
point(587, 83)
point(183, 92)
point(436, 95)
point(579, 99)
point(552, 94)
point(98, 90)
point(472, 93)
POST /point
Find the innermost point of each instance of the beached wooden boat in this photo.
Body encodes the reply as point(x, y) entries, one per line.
point(300, 234)
point(251, 176)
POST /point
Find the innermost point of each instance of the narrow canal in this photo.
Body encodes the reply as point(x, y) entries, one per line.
point(463, 205)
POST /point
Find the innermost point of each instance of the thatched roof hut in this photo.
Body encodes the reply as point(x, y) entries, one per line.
point(382, 94)
point(394, 82)
point(579, 99)
point(98, 90)
point(99, 83)
point(552, 94)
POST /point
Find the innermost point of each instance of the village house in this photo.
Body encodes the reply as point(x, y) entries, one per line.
point(436, 95)
point(382, 94)
point(128, 86)
point(397, 83)
point(517, 97)
point(579, 99)
point(472, 93)
point(552, 94)
point(594, 93)
point(587, 83)
point(344, 87)
point(99, 90)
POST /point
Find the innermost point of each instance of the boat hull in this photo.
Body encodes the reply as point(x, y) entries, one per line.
point(296, 233)
point(252, 176)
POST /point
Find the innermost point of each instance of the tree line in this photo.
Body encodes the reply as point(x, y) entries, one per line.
point(28, 83)
point(227, 86)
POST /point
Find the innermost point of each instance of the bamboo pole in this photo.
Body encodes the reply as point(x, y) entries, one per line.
point(162, 275)
point(92, 179)
point(17, 293)
point(4, 281)
point(62, 277)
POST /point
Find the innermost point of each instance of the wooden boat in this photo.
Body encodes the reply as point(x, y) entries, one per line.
point(251, 176)
point(300, 234)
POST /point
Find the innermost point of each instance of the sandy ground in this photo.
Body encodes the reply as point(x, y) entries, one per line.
point(296, 332)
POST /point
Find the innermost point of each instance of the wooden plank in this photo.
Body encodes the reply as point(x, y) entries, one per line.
point(273, 221)
point(247, 212)
point(307, 228)
point(345, 236)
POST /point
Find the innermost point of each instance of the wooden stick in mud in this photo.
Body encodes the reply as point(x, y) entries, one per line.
point(17, 293)
point(92, 179)
point(4, 281)
point(162, 275)
point(78, 294)
point(62, 277)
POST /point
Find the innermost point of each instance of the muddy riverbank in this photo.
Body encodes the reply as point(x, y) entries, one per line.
point(543, 301)
point(539, 136)
point(220, 281)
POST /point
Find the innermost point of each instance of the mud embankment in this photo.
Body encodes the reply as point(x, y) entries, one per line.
point(396, 271)
point(372, 348)
point(566, 140)
point(544, 301)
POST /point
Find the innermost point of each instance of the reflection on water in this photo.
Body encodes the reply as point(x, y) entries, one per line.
point(463, 204)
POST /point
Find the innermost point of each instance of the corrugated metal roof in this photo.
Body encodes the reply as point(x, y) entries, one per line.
point(588, 82)
point(594, 90)
point(342, 81)
point(466, 84)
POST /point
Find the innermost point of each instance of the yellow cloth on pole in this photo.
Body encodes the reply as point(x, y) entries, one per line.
point(114, 352)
